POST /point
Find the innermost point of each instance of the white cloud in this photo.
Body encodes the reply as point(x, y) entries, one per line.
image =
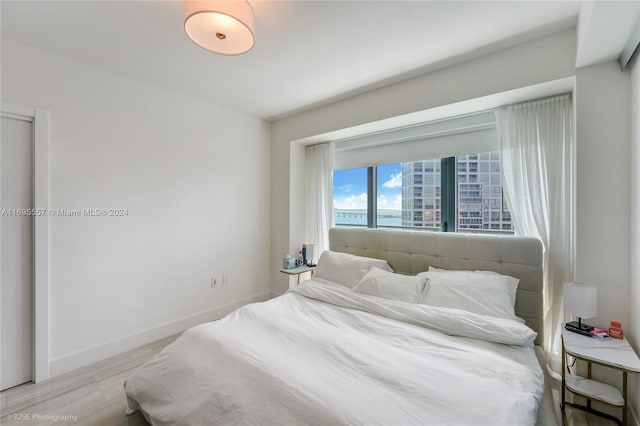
point(359, 202)
point(352, 202)
point(395, 181)
point(346, 188)
point(394, 204)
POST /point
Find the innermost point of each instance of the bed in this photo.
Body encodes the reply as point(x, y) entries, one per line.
point(324, 354)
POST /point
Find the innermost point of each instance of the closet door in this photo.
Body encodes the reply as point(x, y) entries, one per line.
point(16, 253)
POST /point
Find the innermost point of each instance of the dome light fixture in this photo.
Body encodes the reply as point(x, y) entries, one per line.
point(222, 26)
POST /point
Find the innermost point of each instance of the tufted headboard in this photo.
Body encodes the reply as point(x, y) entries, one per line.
point(410, 252)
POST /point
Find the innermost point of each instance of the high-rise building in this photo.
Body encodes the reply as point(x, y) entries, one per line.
point(421, 194)
point(480, 202)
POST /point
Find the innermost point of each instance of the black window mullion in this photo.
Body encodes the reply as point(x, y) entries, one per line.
point(448, 193)
point(372, 196)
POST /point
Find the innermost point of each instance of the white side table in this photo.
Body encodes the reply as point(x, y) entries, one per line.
point(299, 270)
point(612, 353)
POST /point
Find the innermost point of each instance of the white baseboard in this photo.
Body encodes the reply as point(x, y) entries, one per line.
point(79, 359)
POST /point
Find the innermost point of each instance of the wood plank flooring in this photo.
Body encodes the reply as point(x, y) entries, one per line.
point(93, 395)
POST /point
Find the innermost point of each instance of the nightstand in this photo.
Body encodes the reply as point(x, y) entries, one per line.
point(299, 270)
point(612, 353)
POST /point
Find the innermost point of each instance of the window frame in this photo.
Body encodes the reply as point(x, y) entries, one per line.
point(448, 199)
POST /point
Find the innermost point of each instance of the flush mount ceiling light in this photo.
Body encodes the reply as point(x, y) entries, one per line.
point(224, 27)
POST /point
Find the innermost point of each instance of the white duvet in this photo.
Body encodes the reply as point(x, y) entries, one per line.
point(322, 354)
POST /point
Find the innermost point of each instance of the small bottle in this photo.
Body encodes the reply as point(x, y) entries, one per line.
point(300, 258)
point(615, 330)
point(304, 255)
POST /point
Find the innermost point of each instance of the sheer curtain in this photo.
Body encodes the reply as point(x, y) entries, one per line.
point(536, 147)
point(319, 168)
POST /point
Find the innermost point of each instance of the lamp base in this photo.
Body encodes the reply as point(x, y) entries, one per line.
point(578, 327)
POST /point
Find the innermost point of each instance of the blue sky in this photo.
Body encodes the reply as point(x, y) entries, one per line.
point(350, 188)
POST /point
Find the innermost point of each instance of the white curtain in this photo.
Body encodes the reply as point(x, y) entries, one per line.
point(319, 171)
point(536, 147)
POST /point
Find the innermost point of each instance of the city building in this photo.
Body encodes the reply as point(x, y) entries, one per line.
point(480, 203)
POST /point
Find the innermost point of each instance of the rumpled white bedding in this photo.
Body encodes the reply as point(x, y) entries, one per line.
point(322, 354)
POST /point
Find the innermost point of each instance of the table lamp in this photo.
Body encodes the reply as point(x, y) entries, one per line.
point(581, 300)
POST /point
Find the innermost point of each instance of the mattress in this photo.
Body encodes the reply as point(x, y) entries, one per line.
point(322, 354)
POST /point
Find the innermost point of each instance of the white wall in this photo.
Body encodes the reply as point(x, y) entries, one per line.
point(603, 173)
point(194, 178)
point(603, 187)
point(633, 330)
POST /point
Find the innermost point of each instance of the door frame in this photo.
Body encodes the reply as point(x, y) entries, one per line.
point(40, 119)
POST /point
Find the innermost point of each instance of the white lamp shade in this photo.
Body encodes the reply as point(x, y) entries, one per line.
point(224, 26)
point(580, 299)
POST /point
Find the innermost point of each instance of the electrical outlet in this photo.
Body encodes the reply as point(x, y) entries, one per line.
point(224, 280)
point(214, 282)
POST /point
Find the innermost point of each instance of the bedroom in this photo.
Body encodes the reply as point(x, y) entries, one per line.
point(119, 137)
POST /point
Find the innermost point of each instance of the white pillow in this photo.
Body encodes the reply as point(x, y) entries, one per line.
point(506, 279)
point(484, 294)
point(388, 285)
point(346, 269)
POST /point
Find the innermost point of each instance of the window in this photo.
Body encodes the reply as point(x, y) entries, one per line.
point(350, 197)
point(417, 195)
point(389, 190)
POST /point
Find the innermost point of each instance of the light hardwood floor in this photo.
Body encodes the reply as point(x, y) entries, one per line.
point(95, 396)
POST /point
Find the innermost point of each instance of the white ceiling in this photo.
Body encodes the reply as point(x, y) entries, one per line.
point(604, 29)
point(306, 52)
